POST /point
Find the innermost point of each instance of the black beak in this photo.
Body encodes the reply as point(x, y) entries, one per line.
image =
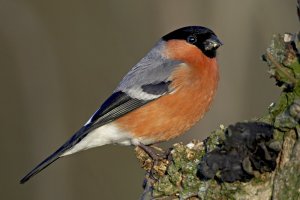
point(212, 43)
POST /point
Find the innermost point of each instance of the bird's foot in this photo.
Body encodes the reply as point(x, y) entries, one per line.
point(151, 151)
point(153, 159)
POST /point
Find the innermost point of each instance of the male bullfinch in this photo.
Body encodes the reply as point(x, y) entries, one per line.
point(161, 97)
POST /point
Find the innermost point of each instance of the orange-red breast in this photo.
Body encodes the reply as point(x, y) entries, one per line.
point(161, 97)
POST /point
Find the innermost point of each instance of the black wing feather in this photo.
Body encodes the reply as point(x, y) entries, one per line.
point(117, 105)
point(112, 102)
point(157, 88)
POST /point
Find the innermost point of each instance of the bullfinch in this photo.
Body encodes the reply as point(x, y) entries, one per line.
point(161, 97)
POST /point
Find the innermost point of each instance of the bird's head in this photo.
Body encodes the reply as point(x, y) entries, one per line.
point(197, 36)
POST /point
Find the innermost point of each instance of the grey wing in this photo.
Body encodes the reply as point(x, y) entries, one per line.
point(150, 78)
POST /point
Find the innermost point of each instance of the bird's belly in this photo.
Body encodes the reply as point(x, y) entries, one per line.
point(168, 116)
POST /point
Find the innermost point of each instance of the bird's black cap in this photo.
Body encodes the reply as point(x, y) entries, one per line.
point(202, 37)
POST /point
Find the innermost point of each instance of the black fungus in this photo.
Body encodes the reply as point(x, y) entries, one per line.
point(247, 148)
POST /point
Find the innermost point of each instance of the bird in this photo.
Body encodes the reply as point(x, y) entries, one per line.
point(160, 98)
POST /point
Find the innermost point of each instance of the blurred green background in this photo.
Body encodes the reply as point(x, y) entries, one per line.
point(60, 60)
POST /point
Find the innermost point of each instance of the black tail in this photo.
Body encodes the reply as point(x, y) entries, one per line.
point(56, 155)
point(53, 157)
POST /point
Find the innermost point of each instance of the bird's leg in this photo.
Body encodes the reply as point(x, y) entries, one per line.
point(159, 163)
point(150, 151)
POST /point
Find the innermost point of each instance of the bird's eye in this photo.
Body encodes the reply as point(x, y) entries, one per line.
point(191, 39)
